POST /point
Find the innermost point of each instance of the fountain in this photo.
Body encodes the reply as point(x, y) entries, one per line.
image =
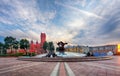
point(62, 56)
point(61, 52)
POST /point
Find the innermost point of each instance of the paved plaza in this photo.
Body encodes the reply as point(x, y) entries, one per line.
point(14, 67)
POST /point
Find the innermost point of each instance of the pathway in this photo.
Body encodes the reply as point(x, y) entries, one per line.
point(13, 67)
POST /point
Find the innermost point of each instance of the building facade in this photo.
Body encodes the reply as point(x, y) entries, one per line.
point(115, 49)
point(38, 47)
point(78, 49)
point(104, 49)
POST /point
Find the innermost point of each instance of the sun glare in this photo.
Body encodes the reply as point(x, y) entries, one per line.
point(118, 47)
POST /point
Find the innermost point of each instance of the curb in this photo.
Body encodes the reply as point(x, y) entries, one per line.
point(68, 70)
point(55, 70)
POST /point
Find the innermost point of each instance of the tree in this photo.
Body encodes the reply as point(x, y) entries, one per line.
point(51, 46)
point(57, 48)
point(9, 41)
point(24, 44)
point(45, 45)
point(16, 45)
point(51, 49)
point(1, 48)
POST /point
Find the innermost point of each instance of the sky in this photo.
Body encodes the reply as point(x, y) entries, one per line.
point(77, 22)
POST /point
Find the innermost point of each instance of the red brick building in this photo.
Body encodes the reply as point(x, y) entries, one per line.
point(34, 47)
point(37, 47)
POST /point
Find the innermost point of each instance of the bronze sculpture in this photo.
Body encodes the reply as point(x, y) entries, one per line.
point(61, 47)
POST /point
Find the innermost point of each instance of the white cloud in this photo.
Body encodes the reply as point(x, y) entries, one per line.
point(5, 21)
point(76, 24)
point(28, 18)
point(33, 35)
point(89, 14)
point(33, 21)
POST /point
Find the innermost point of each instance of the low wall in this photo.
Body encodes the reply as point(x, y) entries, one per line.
point(60, 59)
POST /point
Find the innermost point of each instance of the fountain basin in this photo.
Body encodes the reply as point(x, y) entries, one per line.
point(67, 57)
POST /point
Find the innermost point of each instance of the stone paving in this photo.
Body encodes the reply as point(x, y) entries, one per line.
point(25, 68)
point(7, 62)
point(14, 67)
point(62, 71)
point(97, 68)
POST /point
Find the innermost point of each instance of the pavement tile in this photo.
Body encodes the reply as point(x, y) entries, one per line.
point(62, 71)
point(99, 68)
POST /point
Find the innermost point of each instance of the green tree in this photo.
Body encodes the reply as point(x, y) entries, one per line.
point(24, 44)
point(16, 45)
point(45, 45)
point(51, 49)
point(57, 48)
point(9, 41)
point(51, 46)
point(1, 47)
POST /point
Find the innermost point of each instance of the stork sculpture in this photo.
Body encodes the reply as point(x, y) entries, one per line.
point(61, 47)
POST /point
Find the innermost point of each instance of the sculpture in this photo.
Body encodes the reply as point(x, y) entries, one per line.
point(61, 47)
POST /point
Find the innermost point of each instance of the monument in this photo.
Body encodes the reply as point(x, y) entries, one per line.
point(61, 47)
point(51, 49)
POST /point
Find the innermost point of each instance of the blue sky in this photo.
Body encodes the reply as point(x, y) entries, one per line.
point(83, 22)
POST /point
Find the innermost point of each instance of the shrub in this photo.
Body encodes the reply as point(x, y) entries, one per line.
point(31, 54)
point(3, 55)
point(17, 54)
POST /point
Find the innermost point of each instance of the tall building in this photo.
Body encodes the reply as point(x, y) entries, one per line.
point(43, 38)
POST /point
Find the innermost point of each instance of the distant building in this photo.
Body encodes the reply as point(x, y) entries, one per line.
point(115, 49)
point(34, 47)
point(43, 38)
point(79, 49)
point(104, 49)
point(37, 47)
